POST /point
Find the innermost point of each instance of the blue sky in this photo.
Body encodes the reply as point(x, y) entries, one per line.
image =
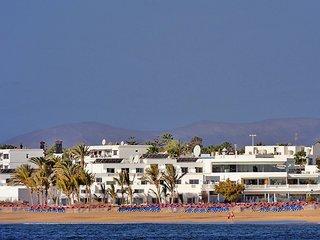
point(156, 64)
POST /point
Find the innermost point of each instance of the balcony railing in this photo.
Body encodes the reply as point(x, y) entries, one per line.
point(282, 186)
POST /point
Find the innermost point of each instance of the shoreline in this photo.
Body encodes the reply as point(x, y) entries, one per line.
point(113, 217)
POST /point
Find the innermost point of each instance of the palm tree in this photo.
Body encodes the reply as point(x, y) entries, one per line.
point(68, 178)
point(79, 152)
point(129, 188)
point(166, 137)
point(44, 173)
point(104, 192)
point(112, 193)
point(121, 181)
point(171, 177)
point(153, 149)
point(87, 179)
point(23, 175)
point(153, 176)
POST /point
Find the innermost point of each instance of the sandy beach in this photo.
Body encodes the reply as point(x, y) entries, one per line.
point(148, 217)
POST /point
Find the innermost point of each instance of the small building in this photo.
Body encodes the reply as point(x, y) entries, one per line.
point(13, 158)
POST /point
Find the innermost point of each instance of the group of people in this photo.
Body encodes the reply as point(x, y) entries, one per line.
point(46, 209)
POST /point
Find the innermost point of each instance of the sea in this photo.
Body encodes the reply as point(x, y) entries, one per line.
point(285, 230)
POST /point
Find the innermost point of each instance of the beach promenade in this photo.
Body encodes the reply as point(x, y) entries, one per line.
point(100, 216)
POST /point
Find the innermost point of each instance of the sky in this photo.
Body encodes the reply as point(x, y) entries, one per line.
point(153, 65)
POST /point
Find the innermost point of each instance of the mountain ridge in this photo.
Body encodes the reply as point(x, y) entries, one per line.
point(269, 131)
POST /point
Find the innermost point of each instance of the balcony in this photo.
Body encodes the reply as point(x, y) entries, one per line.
point(284, 188)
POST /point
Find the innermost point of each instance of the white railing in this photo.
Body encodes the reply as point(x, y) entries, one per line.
point(301, 186)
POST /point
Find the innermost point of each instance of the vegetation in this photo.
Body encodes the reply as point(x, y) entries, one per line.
point(132, 141)
point(153, 176)
point(300, 158)
point(170, 179)
point(230, 190)
point(153, 149)
point(55, 174)
point(121, 181)
point(79, 152)
point(218, 148)
point(174, 148)
point(49, 176)
point(111, 191)
point(318, 162)
point(7, 146)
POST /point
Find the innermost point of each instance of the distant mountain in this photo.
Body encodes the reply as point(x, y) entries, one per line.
point(271, 131)
point(73, 133)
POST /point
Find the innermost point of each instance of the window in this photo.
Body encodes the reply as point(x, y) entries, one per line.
point(110, 170)
point(5, 156)
point(125, 170)
point(139, 170)
point(99, 180)
point(194, 181)
point(143, 182)
point(178, 182)
point(27, 155)
point(233, 168)
point(199, 169)
point(115, 152)
point(138, 191)
point(184, 170)
point(216, 168)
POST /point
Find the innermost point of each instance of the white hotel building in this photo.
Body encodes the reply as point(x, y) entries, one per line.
point(269, 173)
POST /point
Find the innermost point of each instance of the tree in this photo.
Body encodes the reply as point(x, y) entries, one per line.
point(231, 191)
point(7, 146)
point(68, 178)
point(44, 173)
point(132, 141)
point(153, 149)
point(153, 176)
point(218, 148)
point(171, 177)
point(79, 152)
point(174, 148)
point(129, 188)
point(87, 179)
point(194, 142)
point(112, 193)
point(103, 192)
point(121, 181)
point(318, 162)
point(23, 176)
point(165, 138)
point(300, 158)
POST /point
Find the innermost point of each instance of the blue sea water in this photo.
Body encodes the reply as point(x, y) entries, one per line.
point(161, 231)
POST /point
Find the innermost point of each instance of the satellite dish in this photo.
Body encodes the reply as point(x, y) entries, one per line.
point(122, 143)
point(197, 151)
point(104, 142)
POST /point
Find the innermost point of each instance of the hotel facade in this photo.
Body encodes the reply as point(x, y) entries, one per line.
point(269, 173)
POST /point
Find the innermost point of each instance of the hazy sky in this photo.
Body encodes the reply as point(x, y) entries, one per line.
point(156, 64)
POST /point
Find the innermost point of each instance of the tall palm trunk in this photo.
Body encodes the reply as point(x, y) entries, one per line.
point(31, 196)
point(46, 195)
point(159, 194)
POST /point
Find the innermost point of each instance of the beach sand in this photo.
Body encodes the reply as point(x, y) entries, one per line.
point(101, 216)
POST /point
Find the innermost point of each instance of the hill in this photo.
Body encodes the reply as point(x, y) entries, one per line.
point(268, 131)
